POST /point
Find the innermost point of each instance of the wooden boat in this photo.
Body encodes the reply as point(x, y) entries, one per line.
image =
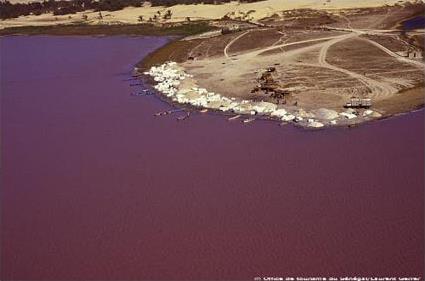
point(234, 118)
point(161, 113)
point(184, 117)
point(249, 120)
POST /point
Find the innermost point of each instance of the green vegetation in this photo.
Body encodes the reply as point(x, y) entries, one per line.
point(119, 29)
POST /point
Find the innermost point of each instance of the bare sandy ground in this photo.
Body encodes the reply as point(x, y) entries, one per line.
point(241, 69)
point(253, 12)
point(319, 67)
point(322, 57)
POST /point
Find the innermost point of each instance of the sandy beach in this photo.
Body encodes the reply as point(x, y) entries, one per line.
point(305, 61)
point(300, 67)
point(257, 11)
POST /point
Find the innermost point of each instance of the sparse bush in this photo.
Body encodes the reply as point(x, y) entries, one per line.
point(63, 7)
point(168, 15)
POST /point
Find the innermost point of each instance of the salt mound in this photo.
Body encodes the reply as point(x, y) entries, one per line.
point(326, 114)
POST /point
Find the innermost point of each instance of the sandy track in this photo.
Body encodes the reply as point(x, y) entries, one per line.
point(248, 62)
point(193, 50)
point(418, 64)
point(226, 49)
point(271, 48)
point(346, 19)
point(232, 42)
point(377, 89)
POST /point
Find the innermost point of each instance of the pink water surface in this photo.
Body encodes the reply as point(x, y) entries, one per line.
point(94, 186)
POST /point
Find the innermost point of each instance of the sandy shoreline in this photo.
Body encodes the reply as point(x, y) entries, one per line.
point(294, 61)
point(404, 101)
point(178, 88)
point(344, 123)
point(303, 66)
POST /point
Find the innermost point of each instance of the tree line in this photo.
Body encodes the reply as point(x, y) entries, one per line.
point(62, 7)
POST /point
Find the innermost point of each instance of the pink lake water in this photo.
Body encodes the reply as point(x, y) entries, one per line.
point(94, 187)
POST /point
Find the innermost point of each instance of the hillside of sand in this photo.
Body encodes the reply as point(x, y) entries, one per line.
point(244, 11)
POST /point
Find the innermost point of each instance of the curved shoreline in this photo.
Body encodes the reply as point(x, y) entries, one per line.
point(157, 62)
point(178, 88)
point(170, 53)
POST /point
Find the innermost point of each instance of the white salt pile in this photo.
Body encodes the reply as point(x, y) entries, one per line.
point(169, 77)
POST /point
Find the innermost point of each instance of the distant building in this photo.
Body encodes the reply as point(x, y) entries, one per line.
point(411, 54)
point(415, 55)
point(356, 102)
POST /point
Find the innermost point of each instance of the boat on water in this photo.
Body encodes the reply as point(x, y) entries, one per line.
point(160, 113)
point(167, 112)
point(233, 118)
point(143, 93)
point(184, 117)
point(249, 120)
point(204, 110)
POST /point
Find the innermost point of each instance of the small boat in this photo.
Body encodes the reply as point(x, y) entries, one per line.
point(161, 113)
point(175, 111)
point(184, 117)
point(233, 118)
point(204, 110)
point(144, 93)
point(249, 120)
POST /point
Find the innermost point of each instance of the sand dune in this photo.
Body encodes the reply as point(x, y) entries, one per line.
point(258, 10)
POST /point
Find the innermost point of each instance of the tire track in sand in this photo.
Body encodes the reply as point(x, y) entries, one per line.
point(377, 89)
point(232, 42)
point(418, 64)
